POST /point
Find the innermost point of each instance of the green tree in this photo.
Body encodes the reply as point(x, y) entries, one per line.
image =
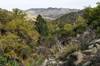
point(92, 15)
point(80, 25)
point(5, 16)
point(17, 13)
point(68, 27)
point(41, 26)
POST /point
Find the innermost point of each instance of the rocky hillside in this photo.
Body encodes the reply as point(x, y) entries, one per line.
point(27, 40)
point(50, 13)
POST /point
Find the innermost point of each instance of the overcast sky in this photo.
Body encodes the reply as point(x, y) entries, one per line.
point(26, 4)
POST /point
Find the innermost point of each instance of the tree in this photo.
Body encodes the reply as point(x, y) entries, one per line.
point(17, 13)
point(92, 15)
point(5, 16)
point(80, 25)
point(41, 26)
point(68, 27)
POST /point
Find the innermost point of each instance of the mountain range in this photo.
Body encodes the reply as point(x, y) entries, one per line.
point(50, 13)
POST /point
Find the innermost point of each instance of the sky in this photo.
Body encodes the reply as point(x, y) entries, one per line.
point(27, 4)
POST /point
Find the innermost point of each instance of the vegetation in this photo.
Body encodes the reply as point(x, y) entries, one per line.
point(29, 43)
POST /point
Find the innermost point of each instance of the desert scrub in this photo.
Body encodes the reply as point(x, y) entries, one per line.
point(65, 50)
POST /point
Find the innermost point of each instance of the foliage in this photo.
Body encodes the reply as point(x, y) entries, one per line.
point(17, 13)
point(5, 16)
point(29, 43)
point(80, 25)
point(68, 27)
point(18, 38)
point(66, 50)
point(92, 16)
point(41, 26)
point(4, 61)
point(24, 26)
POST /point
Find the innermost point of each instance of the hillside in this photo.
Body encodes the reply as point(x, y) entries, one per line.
point(70, 17)
point(27, 40)
point(50, 13)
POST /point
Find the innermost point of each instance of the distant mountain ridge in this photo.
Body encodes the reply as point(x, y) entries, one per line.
point(50, 13)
